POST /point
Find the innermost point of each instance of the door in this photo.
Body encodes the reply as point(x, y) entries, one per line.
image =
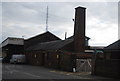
point(83, 65)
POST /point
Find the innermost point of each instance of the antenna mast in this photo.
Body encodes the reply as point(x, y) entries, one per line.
point(47, 20)
point(65, 35)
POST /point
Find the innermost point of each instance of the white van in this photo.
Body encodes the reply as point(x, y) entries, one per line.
point(18, 59)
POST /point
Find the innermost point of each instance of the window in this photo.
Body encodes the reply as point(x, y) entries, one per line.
point(82, 61)
point(35, 55)
point(57, 56)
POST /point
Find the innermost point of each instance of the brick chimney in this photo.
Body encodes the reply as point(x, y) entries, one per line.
point(79, 30)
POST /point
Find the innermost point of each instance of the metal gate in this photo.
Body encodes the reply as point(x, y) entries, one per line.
point(83, 65)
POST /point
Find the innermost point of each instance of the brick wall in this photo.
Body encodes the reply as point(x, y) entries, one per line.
point(108, 68)
point(35, 58)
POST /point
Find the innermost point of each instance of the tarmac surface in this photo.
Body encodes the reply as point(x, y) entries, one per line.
point(12, 72)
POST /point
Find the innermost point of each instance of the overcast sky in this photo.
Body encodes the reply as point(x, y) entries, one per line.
point(28, 19)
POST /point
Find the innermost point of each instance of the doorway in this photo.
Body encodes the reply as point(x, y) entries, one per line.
point(83, 65)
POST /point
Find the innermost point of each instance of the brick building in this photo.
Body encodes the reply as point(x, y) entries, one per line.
point(56, 53)
point(12, 46)
point(49, 50)
point(108, 64)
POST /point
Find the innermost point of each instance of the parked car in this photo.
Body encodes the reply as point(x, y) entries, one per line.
point(18, 59)
point(5, 60)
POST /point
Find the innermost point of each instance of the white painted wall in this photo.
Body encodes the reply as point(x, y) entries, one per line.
point(15, 41)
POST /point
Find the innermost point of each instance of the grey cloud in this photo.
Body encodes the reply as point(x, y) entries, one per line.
point(0, 22)
point(58, 11)
point(119, 20)
point(20, 30)
point(17, 12)
point(26, 17)
point(60, 1)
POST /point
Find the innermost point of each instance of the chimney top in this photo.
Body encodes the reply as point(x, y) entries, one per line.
point(80, 7)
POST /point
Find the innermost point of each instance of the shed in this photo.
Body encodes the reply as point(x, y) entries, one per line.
point(109, 66)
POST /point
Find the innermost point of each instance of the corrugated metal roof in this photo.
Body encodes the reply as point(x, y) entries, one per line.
point(12, 40)
point(44, 37)
point(43, 34)
point(97, 47)
point(114, 46)
point(73, 37)
point(52, 45)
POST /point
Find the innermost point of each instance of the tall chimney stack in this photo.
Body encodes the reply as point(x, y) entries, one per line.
point(79, 30)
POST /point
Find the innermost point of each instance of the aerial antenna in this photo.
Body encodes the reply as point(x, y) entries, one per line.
point(47, 20)
point(65, 35)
